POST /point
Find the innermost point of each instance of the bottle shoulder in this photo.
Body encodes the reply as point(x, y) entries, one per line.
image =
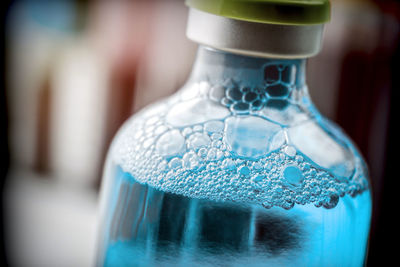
point(253, 133)
point(195, 139)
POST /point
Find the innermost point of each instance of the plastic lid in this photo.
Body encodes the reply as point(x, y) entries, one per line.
point(284, 12)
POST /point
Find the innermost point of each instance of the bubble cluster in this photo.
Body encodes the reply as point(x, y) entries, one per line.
point(198, 149)
point(242, 99)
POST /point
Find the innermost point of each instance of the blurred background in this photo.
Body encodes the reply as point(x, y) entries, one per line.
point(75, 70)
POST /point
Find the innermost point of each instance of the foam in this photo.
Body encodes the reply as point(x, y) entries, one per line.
point(225, 157)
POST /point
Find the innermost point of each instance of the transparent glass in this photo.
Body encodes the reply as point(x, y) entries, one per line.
point(236, 168)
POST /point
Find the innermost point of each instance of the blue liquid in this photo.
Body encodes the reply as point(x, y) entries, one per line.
point(148, 227)
point(235, 173)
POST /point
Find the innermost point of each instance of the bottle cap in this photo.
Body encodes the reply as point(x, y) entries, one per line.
point(264, 28)
point(286, 12)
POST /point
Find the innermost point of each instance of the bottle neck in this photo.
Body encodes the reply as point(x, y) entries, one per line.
point(275, 79)
point(253, 38)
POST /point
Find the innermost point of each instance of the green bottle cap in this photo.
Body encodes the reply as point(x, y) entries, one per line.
point(284, 12)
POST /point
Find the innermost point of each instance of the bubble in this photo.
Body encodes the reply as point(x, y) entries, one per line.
point(277, 90)
point(244, 170)
point(288, 74)
point(214, 126)
point(226, 102)
point(148, 142)
point(212, 154)
point(170, 143)
point(250, 97)
point(256, 105)
point(293, 175)
point(268, 165)
point(333, 200)
point(160, 130)
point(234, 94)
point(290, 151)
point(216, 136)
point(204, 88)
point(194, 112)
point(151, 121)
point(257, 166)
point(191, 160)
point(219, 155)
point(315, 190)
point(216, 143)
point(287, 205)
point(138, 134)
point(228, 164)
point(321, 148)
point(258, 178)
point(279, 104)
point(163, 166)
point(271, 73)
point(240, 107)
point(198, 140)
point(217, 93)
point(197, 128)
point(267, 205)
point(245, 89)
point(252, 136)
point(187, 131)
point(202, 152)
point(299, 159)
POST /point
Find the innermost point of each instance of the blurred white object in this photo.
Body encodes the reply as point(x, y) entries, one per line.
point(48, 223)
point(33, 33)
point(79, 88)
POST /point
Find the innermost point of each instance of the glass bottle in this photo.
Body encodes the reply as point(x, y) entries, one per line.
point(236, 168)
